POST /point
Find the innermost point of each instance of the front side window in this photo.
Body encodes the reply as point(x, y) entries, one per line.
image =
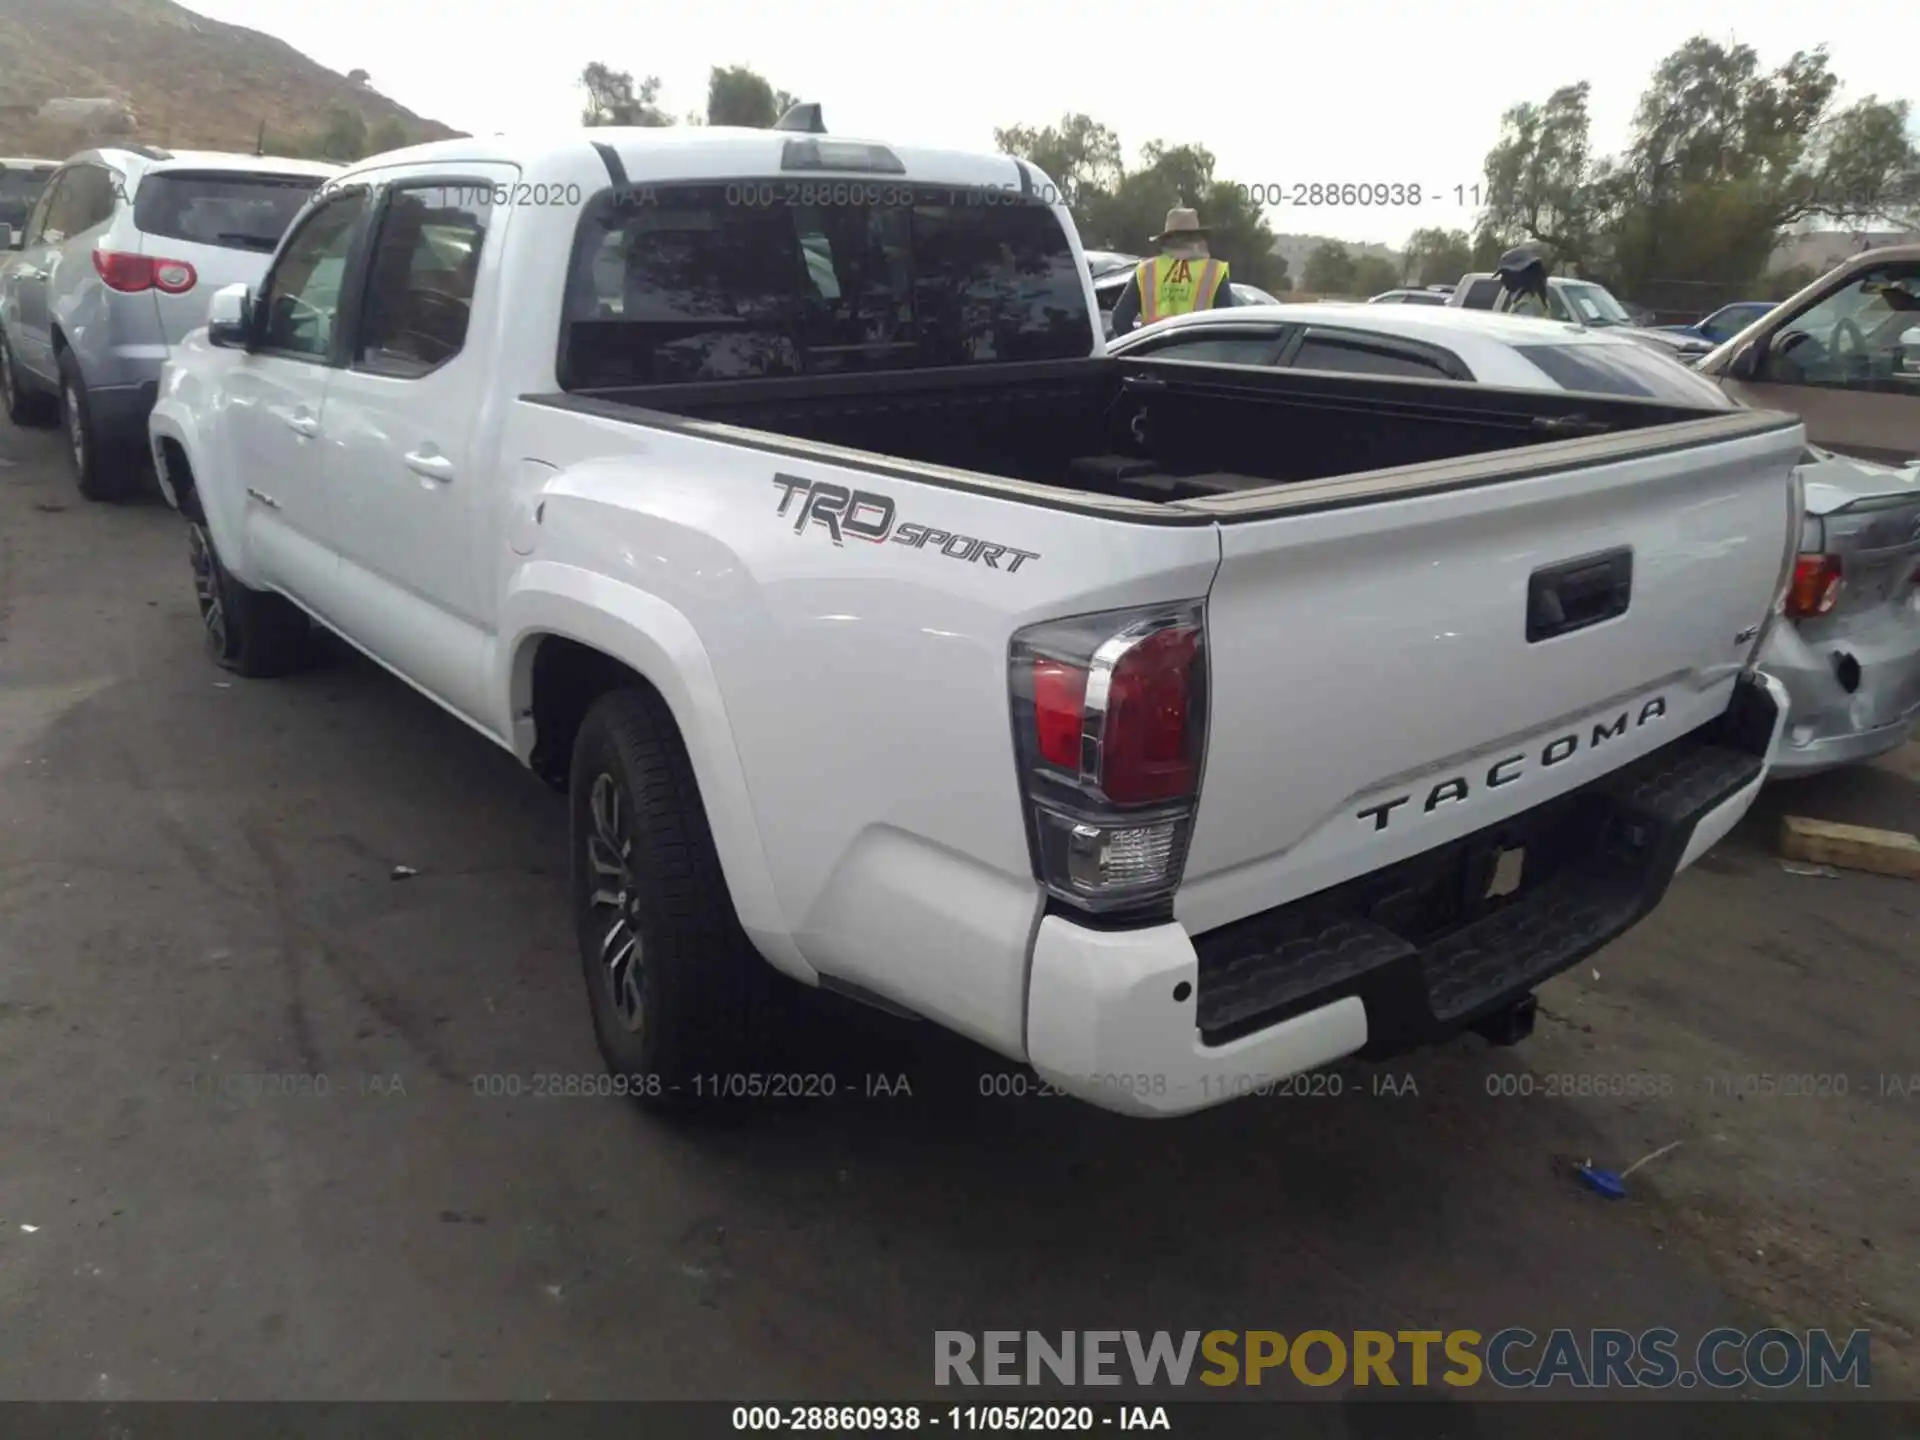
point(1625, 368)
point(302, 295)
point(20, 190)
point(1861, 337)
point(730, 281)
point(231, 209)
point(1220, 349)
point(420, 281)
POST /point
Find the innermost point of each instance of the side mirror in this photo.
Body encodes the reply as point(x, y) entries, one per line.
point(230, 317)
point(9, 239)
point(1744, 363)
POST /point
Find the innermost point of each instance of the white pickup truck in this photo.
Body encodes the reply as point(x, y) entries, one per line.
point(1170, 727)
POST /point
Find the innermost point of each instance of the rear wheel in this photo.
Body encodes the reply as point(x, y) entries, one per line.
point(249, 632)
point(102, 472)
point(23, 406)
point(680, 998)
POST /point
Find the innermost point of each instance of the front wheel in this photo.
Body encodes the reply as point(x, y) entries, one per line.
point(249, 632)
point(680, 998)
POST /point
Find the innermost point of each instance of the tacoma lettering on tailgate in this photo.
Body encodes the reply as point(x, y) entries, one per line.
point(868, 515)
point(1511, 768)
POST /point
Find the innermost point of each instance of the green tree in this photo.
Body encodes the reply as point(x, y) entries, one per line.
point(1080, 156)
point(388, 134)
point(613, 99)
point(1374, 273)
point(344, 137)
point(1540, 180)
point(1434, 256)
point(1722, 156)
point(1329, 270)
point(739, 96)
point(1120, 209)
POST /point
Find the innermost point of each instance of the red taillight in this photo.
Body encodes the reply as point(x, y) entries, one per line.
point(1110, 719)
point(1149, 751)
point(1816, 586)
point(130, 274)
point(1059, 699)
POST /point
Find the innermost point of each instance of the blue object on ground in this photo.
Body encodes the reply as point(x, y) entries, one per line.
point(1603, 1182)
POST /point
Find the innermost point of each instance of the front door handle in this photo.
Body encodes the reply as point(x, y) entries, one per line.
point(303, 424)
point(429, 465)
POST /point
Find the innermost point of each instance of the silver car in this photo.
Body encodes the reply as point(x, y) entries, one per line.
point(1848, 645)
point(118, 259)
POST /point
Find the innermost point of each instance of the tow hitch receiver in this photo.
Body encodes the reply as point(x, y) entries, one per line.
point(1511, 1025)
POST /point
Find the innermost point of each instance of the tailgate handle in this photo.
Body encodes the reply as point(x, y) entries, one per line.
point(1577, 593)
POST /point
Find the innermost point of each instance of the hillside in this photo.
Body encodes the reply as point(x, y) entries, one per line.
point(187, 81)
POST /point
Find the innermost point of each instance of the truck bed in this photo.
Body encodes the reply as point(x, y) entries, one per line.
point(1142, 429)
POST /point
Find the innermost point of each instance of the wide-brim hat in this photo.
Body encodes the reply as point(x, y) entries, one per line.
point(1182, 223)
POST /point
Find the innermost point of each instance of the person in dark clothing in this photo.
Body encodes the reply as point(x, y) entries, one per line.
point(1184, 276)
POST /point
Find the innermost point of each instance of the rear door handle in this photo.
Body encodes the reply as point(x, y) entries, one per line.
point(1577, 593)
point(301, 423)
point(429, 465)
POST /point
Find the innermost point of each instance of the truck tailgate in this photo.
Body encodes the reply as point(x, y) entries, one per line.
point(1389, 676)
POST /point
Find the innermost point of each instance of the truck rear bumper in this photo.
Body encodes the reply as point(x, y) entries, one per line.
point(1155, 1022)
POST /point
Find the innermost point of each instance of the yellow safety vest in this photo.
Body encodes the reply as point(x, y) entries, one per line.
point(1173, 287)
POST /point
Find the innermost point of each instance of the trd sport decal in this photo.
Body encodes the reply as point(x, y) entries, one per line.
point(868, 515)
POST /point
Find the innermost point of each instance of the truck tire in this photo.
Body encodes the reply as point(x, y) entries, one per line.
point(250, 632)
point(101, 468)
point(23, 406)
point(679, 995)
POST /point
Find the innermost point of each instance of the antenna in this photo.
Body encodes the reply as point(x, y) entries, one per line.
point(260, 145)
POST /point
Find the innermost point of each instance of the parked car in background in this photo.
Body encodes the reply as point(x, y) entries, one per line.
point(1425, 296)
point(21, 181)
point(1578, 302)
point(1427, 342)
point(1843, 354)
point(1848, 651)
point(1724, 323)
point(1850, 659)
point(120, 254)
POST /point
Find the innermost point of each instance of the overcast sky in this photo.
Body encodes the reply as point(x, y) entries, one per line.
point(1364, 90)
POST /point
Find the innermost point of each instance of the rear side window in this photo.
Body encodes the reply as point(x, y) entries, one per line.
point(420, 285)
point(729, 281)
point(85, 198)
point(1320, 353)
point(234, 210)
point(1624, 369)
point(1482, 293)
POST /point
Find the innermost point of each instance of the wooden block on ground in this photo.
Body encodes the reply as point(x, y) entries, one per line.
point(1852, 847)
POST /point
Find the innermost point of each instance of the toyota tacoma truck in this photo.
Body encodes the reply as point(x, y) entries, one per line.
point(1170, 727)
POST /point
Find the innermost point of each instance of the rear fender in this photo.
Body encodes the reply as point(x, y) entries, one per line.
point(650, 637)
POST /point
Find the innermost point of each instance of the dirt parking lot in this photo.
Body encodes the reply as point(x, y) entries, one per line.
point(195, 889)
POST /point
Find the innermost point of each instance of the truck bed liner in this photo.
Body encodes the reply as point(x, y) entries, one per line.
point(1138, 430)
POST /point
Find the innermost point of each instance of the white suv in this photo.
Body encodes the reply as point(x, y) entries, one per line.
point(119, 256)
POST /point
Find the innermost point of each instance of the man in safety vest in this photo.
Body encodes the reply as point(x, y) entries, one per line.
point(1182, 277)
